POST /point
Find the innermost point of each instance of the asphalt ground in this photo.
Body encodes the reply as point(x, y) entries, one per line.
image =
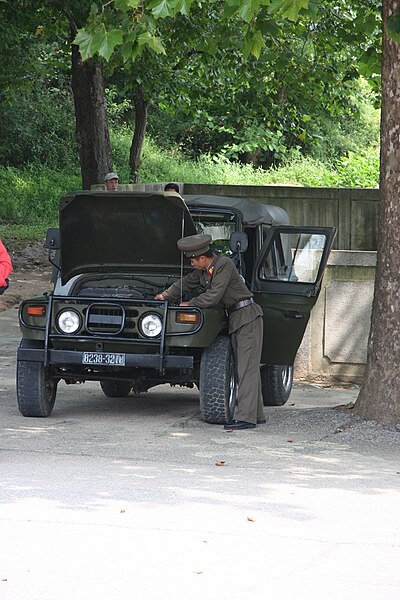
point(137, 498)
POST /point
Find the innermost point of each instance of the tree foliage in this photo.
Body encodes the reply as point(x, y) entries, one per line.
point(250, 79)
point(36, 107)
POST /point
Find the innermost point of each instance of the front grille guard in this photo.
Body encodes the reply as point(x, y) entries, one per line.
point(160, 341)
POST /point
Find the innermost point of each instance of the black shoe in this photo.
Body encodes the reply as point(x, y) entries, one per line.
point(239, 425)
point(261, 421)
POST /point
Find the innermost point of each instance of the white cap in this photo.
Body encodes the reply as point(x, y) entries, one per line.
point(110, 176)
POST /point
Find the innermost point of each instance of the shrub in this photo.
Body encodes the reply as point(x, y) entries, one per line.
point(38, 126)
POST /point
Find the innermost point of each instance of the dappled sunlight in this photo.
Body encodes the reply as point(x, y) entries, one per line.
point(138, 475)
point(322, 459)
point(215, 478)
point(310, 473)
point(43, 430)
point(183, 470)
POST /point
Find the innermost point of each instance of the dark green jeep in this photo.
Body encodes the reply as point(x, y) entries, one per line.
point(115, 251)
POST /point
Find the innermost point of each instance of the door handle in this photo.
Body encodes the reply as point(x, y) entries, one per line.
point(294, 314)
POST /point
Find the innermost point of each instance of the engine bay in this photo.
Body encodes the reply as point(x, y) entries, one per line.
point(136, 288)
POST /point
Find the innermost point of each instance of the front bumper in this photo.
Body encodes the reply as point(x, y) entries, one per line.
point(74, 357)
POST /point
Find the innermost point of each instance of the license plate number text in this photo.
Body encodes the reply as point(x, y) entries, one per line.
point(104, 358)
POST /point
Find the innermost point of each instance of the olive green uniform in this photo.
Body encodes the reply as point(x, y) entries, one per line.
point(221, 283)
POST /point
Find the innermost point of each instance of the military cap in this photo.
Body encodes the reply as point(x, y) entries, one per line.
point(195, 245)
point(110, 176)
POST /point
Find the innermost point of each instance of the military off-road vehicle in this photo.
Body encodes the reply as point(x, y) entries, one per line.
point(115, 251)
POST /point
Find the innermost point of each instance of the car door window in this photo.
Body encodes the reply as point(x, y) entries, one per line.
point(294, 256)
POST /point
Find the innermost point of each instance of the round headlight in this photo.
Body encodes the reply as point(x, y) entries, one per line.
point(151, 325)
point(68, 321)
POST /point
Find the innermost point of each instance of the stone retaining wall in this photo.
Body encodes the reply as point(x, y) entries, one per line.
point(334, 347)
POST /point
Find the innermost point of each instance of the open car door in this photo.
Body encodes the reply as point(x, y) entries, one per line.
point(286, 281)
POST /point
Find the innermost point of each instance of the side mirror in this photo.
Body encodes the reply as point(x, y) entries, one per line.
point(52, 239)
point(238, 242)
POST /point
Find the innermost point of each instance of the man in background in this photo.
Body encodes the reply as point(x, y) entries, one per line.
point(171, 187)
point(111, 182)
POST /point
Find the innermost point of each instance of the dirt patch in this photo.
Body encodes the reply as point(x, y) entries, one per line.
point(31, 275)
point(29, 256)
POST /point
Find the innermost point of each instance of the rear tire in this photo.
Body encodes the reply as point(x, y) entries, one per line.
point(217, 382)
point(36, 391)
point(116, 389)
point(276, 384)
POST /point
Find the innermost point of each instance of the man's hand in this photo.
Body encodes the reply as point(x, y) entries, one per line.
point(184, 304)
point(159, 297)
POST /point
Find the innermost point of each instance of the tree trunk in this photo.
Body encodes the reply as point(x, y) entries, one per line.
point(379, 398)
point(91, 120)
point(138, 136)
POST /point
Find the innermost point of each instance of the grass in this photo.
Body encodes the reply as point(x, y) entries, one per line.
point(20, 235)
point(30, 196)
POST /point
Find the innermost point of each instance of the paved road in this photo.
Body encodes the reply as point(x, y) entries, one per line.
point(139, 499)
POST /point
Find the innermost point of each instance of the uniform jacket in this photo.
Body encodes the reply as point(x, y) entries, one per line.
point(220, 284)
point(5, 265)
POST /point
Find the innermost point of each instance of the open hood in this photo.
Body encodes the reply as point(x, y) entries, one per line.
point(107, 232)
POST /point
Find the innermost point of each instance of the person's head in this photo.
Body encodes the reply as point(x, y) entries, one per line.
point(197, 249)
point(111, 182)
point(202, 261)
point(171, 187)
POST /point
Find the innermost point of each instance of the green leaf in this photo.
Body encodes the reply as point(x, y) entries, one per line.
point(248, 44)
point(130, 51)
point(156, 44)
point(143, 38)
point(183, 6)
point(88, 42)
point(288, 9)
point(248, 8)
point(161, 8)
point(229, 11)
point(153, 42)
point(257, 44)
point(110, 40)
point(125, 5)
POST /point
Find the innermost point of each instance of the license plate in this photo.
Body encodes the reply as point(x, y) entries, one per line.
point(104, 358)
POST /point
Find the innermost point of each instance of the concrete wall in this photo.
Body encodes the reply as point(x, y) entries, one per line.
point(352, 211)
point(334, 347)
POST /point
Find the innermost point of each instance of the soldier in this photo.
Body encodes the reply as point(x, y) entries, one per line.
point(220, 283)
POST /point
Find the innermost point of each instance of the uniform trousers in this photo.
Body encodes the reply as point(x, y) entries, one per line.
point(247, 343)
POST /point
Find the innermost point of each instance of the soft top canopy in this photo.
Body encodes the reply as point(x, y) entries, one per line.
point(121, 231)
point(253, 213)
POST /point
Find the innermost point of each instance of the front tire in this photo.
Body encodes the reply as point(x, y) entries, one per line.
point(116, 389)
point(276, 384)
point(36, 391)
point(217, 382)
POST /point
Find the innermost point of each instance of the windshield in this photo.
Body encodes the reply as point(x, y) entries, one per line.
point(220, 225)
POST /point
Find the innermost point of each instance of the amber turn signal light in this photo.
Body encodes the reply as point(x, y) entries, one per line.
point(192, 317)
point(36, 311)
